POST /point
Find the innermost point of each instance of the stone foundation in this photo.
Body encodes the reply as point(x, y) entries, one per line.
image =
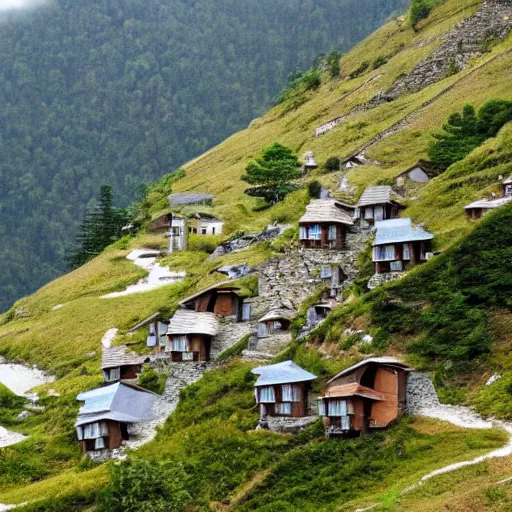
point(380, 279)
point(281, 424)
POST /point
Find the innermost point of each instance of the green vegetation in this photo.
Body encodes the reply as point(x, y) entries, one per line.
point(10, 406)
point(314, 189)
point(152, 380)
point(332, 164)
point(464, 132)
point(272, 171)
point(420, 9)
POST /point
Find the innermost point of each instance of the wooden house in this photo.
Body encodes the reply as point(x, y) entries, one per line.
point(478, 209)
point(376, 204)
point(103, 421)
point(157, 325)
point(221, 299)
point(277, 321)
point(369, 395)
point(283, 390)
point(324, 225)
point(190, 334)
point(398, 245)
point(118, 363)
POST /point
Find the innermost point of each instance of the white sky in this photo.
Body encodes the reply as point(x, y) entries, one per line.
point(17, 4)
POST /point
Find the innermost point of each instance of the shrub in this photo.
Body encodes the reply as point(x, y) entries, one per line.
point(204, 243)
point(379, 61)
point(420, 9)
point(360, 70)
point(332, 164)
point(138, 484)
point(152, 380)
point(314, 189)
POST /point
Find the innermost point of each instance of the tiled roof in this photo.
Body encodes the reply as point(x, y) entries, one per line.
point(385, 360)
point(186, 321)
point(281, 373)
point(352, 389)
point(326, 210)
point(189, 198)
point(489, 204)
point(119, 356)
point(397, 231)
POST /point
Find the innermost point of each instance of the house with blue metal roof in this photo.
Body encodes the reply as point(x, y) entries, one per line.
point(399, 245)
point(103, 420)
point(282, 390)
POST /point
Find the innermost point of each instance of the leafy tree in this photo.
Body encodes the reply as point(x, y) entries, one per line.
point(101, 227)
point(333, 64)
point(465, 131)
point(139, 484)
point(272, 171)
point(420, 9)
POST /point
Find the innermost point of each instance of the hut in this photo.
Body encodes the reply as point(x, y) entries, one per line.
point(201, 224)
point(376, 204)
point(190, 334)
point(317, 314)
point(157, 325)
point(221, 299)
point(507, 186)
point(324, 225)
point(282, 390)
point(478, 209)
point(418, 173)
point(117, 363)
point(104, 419)
point(277, 321)
point(369, 395)
point(398, 245)
point(175, 227)
point(309, 162)
point(189, 198)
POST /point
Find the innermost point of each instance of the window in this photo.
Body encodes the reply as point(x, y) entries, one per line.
point(99, 443)
point(162, 336)
point(284, 409)
point(80, 433)
point(384, 253)
point(379, 213)
point(177, 344)
point(246, 312)
point(368, 213)
point(423, 255)
point(267, 395)
point(315, 232)
point(187, 356)
point(203, 231)
point(345, 423)
point(337, 407)
point(303, 233)
point(290, 393)
point(321, 408)
point(175, 231)
point(213, 231)
point(276, 326)
point(407, 252)
point(326, 272)
point(396, 266)
point(357, 213)
point(332, 232)
point(95, 430)
point(262, 330)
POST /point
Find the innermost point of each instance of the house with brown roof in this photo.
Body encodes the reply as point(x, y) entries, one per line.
point(324, 225)
point(157, 325)
point(377, 203)
point(118, 363)
point(369, 395)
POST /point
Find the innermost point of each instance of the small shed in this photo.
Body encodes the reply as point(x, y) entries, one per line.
point(399, 245)
point(103, 420)
point(478, 209)
point(418, 173)
point(507, 186)
point(190, 334)
point(324, 225)
point(201, 225)
point(221, 299)
point(188, 198)
point(118, 363)
point(309, 162)
point(275, 321)
point(317, 314)
point(376, 204)
point(157, 325)
point(369, 395)
point(283, 390)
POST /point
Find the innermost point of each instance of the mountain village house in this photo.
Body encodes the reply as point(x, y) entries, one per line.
point(202, 224)
point(157, 325)
point(399, 245)
point(309, 163)
point(103, 421)
point(117, 363)
point(190, 334)
point(376, 204)
point(478, 209)
point(369, 395)
point(282, 390)
point(324, 225)
point(418, 173)
point(276, 321)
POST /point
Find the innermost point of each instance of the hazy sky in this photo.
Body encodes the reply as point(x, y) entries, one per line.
point(18, 4)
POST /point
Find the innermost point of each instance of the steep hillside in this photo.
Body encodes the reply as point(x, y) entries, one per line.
point(121, 92)
point(450, 317)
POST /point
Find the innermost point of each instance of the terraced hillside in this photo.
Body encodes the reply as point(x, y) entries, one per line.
point(435, 316)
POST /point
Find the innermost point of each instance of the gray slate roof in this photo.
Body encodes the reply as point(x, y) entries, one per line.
point(278, 314)
point(395, 231)
point(385, 360)
point(489, 204)
point(114, 357)
point(119, 402)
point(189, 198)
point(186, 321)
point(507, 181)
point(281, 373)
point(326, 210)
point(375, 195)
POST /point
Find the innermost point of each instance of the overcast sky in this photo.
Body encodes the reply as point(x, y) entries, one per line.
point(18, 4)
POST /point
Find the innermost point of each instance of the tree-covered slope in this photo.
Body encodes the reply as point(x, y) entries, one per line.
point(121, 92)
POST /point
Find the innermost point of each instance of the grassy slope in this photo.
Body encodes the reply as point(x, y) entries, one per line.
point(67, 341)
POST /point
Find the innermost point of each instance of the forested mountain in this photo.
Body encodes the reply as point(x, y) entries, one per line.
point(119, 92)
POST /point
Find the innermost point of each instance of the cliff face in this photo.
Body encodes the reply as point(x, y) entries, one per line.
point(462, 53)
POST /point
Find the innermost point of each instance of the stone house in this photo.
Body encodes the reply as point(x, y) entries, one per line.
point(399, 246)
point(276, 321)
point(282, 390)
point(117, 363)
point(367, 396)
point(376, 204)
point(103, 421)
point(418, 173)
point(324, 225)
point(190, 335)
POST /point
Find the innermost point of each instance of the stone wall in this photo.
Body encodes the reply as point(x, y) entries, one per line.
point(229, 334)
point(380, 279)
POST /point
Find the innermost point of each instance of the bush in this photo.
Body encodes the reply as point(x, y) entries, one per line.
point(420, 9)
point(204, 243)
point(152, 380)
point(332, 164)
point(138, 484)
point(314, 189)
point(360, 70)
point(379, 61)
